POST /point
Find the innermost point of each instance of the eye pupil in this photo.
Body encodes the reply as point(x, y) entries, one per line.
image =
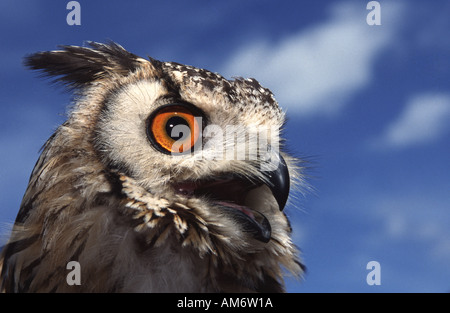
point(171, 123)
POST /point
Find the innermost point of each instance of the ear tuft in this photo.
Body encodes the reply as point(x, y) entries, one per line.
point(77, 67)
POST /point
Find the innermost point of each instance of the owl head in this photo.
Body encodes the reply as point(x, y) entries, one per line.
point(172, 156)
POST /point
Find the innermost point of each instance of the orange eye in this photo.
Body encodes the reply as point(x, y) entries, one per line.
point(174, 128)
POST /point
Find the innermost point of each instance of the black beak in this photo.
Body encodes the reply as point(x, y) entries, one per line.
point(279, 181)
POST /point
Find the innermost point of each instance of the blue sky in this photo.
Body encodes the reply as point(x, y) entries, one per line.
point(368, 108)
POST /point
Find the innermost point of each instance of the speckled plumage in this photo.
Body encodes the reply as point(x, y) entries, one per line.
point(136, 219)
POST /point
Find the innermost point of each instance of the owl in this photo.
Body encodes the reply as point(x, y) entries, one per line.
point(164, 178)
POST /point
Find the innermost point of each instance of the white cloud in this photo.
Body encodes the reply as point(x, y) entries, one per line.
point(425, 118)
point(419, 219)
point(317, 70)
